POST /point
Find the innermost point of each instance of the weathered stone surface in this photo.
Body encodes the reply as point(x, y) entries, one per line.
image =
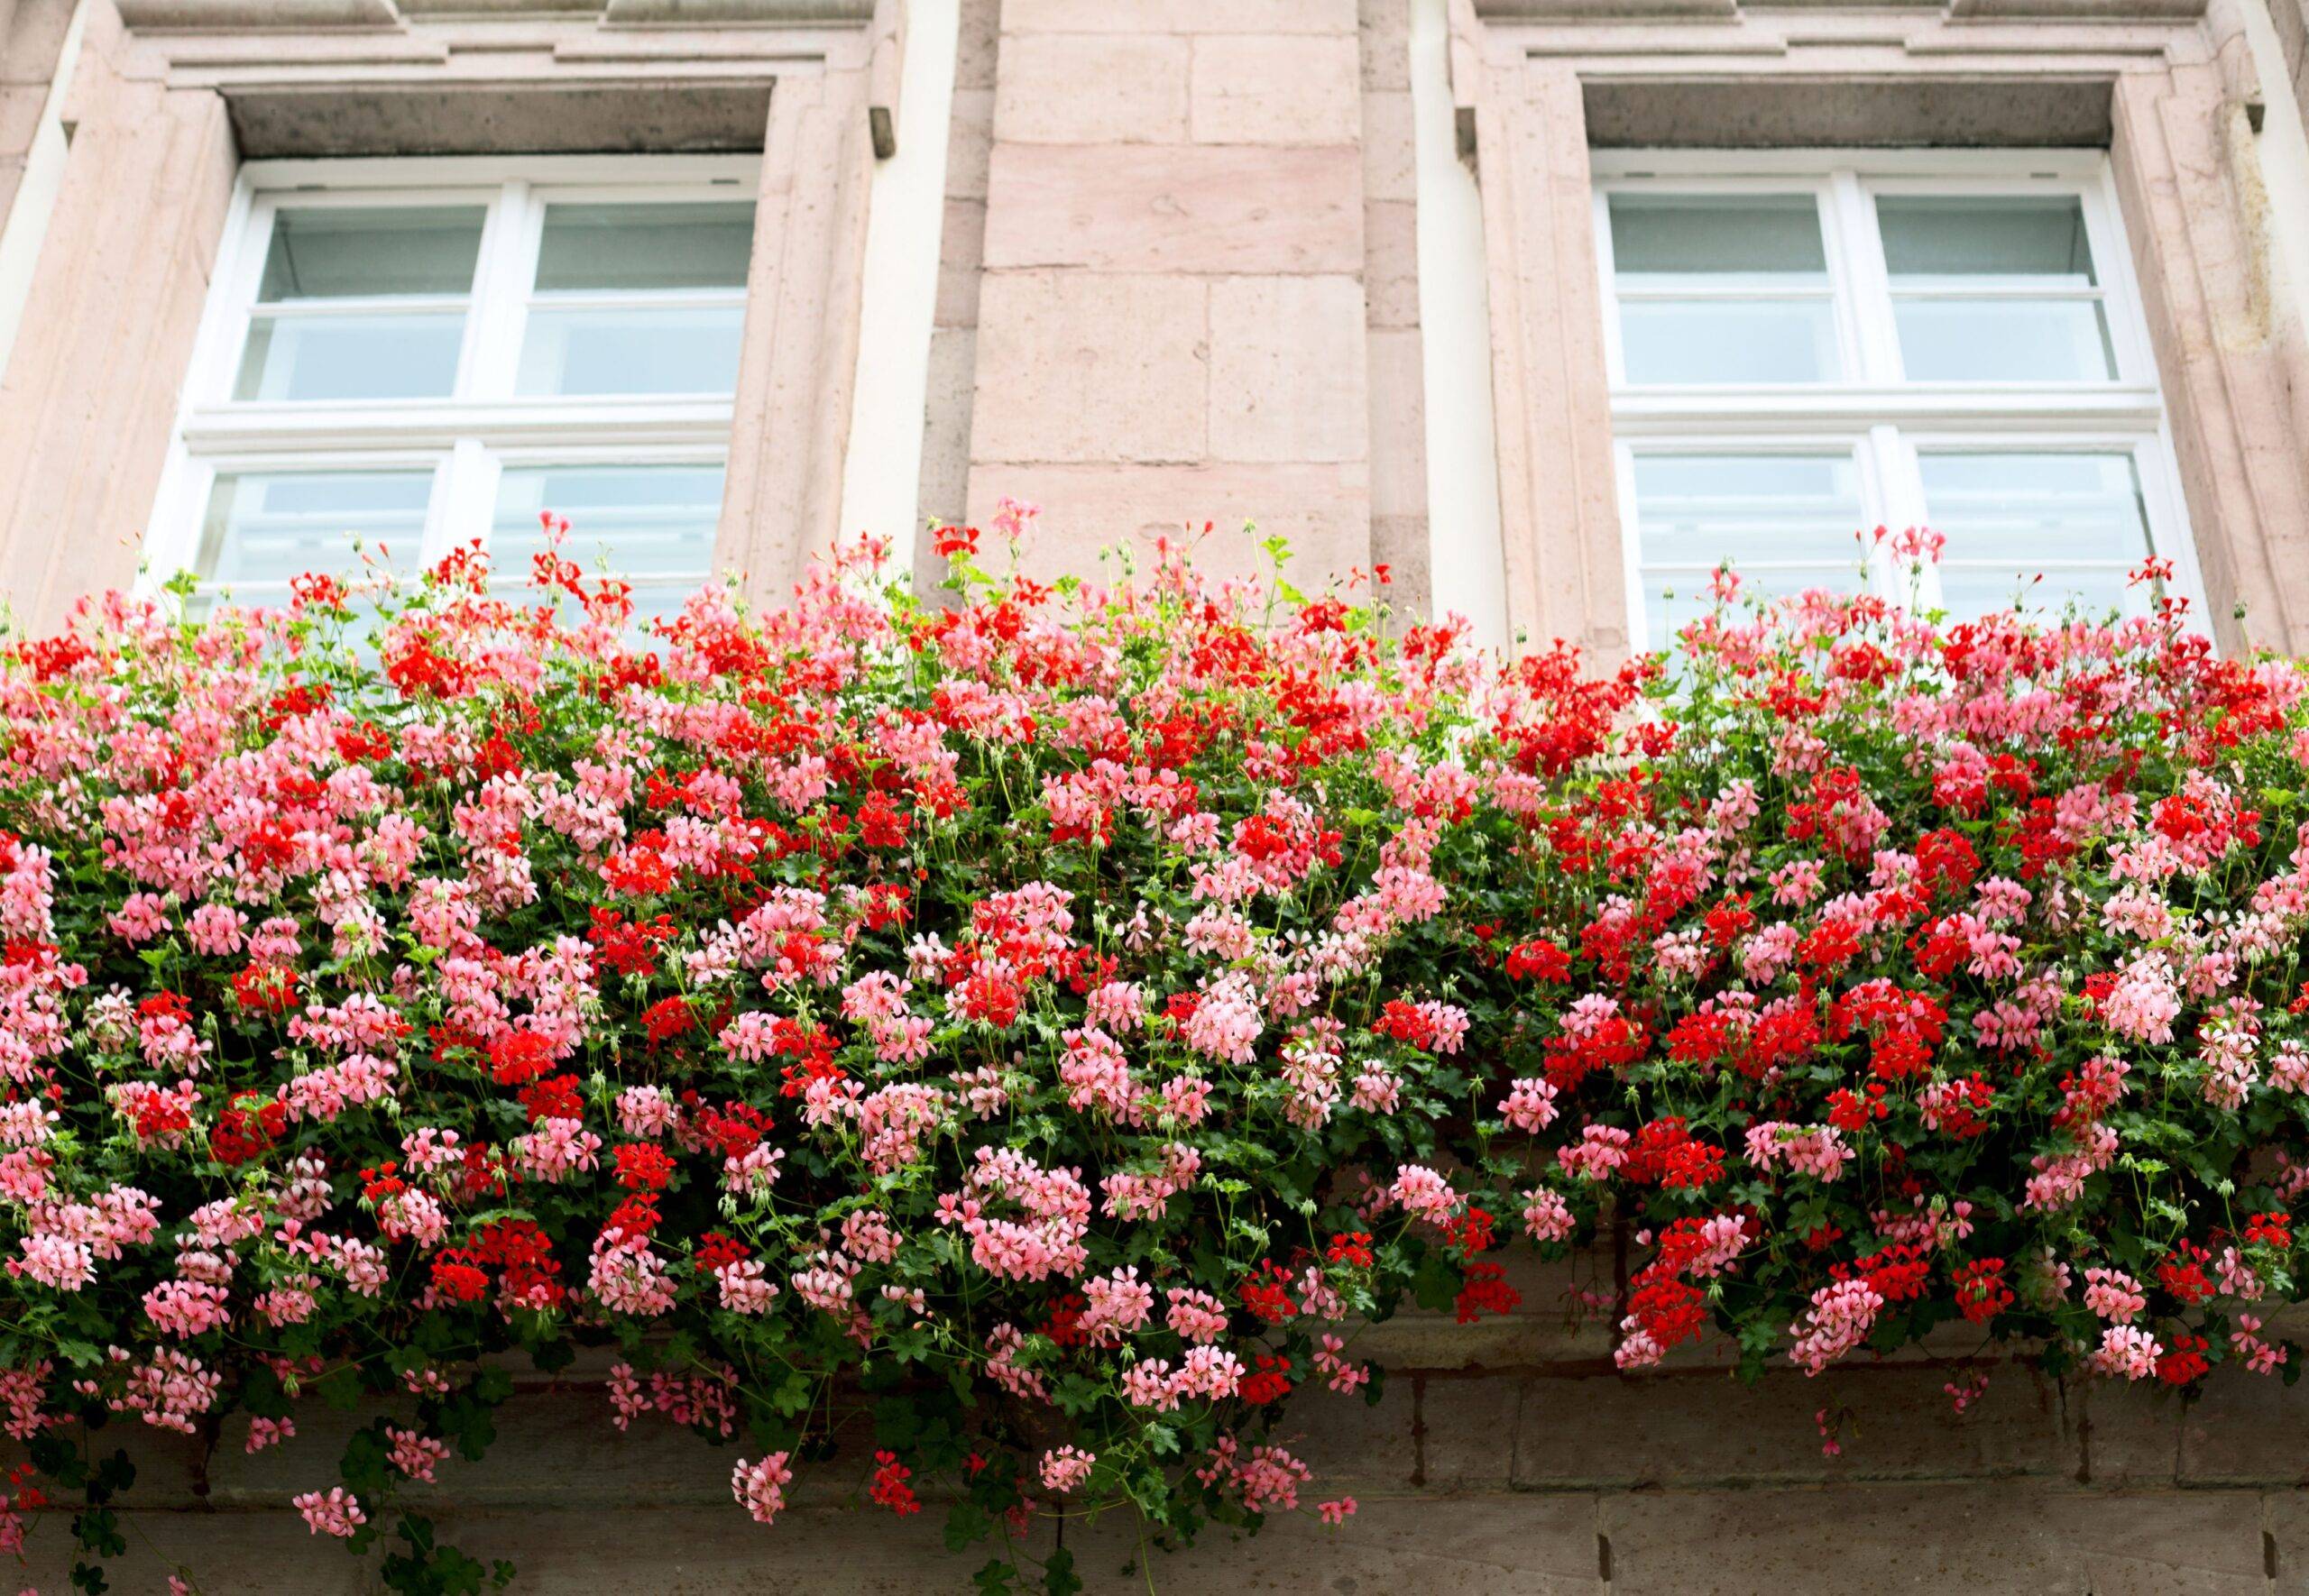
point(2244, 1431)
point(1136, 207)
point(1275, 89)
point(1321, 511)
point(2174, 1543)
point(1694, 1427)
point(1287, 368)
point(1398, 424)
point(1386, 43)
point(946, 423)
point(1178, 16)
point(1978, 1539)
point(1366, 1448)
point(970, 142)
point(1391, 263)
point(2127, 1436)
point(978, 44)
point(1400, 544)
point(961, 243)
point(1092, 88)
point(1390, 155)
point(1079, 367)
point(1546, 1330)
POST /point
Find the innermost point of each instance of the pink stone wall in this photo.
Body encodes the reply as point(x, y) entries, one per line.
point(32, 37)
point(1171, 320)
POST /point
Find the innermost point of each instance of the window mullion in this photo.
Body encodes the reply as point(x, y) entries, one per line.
point(466, 496)
point(500, 291)
point(215, 384)
point(1614, 360)
point(1867, 285)
point(1903, 507)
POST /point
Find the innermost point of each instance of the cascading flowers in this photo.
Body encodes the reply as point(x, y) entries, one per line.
point(1006, 1049)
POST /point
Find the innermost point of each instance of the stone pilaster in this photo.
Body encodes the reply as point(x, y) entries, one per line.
point(1171, 326)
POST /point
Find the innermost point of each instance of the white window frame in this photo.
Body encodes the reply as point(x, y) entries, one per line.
point(1884, 420)
point(484, 427)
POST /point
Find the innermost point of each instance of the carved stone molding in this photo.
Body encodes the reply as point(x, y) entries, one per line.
point(242, 17)
point(2108, 11)
point(433, 77)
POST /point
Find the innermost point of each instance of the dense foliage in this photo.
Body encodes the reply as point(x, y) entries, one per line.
point(1022, 1038)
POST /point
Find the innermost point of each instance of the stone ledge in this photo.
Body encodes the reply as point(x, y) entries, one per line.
point(2027, 1538)
point(2057, 10)
point(302, 16)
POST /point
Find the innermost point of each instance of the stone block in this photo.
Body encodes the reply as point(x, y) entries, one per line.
point(970, 142)
point(1467, 1430)
point(653, 1463)
point(1389, 151)
point(1255, 88)
point(1288, 369)
point(1322, 511)
point(228, 1554)
point(978, 44)
point(1545, 1329)
point(1980, 1539)
point(2284, 1540)
point(946, 423)
point(1178, 16)
point(1386, 43)
point(2240, 1430)
point(961, 245)
point(1391, 263)
point(2205, 1542)
point(1072, 367)
point(1142, 207)
point(2127, 1434)
point(1353, 1445)
point(1476, 1546)
point(1400, 544)
point(1398, 422)
point(1700, 1429)
point(1092, 88)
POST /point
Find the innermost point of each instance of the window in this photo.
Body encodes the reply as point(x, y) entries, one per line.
point(403, 357)
point(1805, 346)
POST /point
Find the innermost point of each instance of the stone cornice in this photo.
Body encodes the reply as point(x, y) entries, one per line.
point(304, 16)
point(1683, 11)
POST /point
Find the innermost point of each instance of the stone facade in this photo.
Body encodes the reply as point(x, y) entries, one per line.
point(1505, 1457)
point(1194, 264)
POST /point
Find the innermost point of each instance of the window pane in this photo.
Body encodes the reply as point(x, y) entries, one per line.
point(351, 357)
point(640, 522)
point(1787, 522)
point(1983, 235)
point(2009, 517)
point(1773, 237)
point(1967, 592)
point(263, 527)
point(2004, 341)
point(334, 252)
point(662, 349)
point(1700, 509)
point(1728, 341)
point(620, 247)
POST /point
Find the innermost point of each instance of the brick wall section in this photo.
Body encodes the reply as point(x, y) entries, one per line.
point(1503, 1457)
point(1171, 323)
